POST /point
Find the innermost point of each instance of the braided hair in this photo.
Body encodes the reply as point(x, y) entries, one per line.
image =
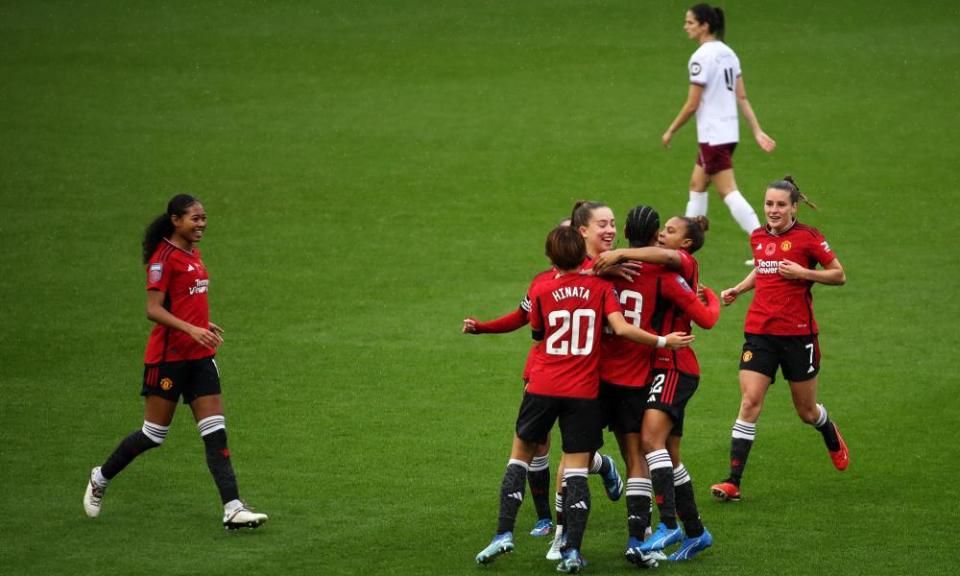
point(643, 223)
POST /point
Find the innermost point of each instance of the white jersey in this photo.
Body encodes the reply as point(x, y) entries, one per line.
point(715, 67)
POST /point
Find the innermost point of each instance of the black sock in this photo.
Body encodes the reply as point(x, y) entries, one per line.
point(218, 461)
point(686, 503)
point(741, 441)
point(639, 491)
point(661, 475)
point(825, 426)
point(576, 506)
point(539, 479)
point(128, 449)
point(511, 494)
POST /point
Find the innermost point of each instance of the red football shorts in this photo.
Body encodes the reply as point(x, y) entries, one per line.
point(716, 158)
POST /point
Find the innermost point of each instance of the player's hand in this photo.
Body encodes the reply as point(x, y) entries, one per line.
point(679, 340)
point(766, 143)
point(469, 326)
point(606, 260)
point(205, 337)
point(216, 329)
point(729, 295)
point(666, 138)
point(791, 270)
point(701, 295)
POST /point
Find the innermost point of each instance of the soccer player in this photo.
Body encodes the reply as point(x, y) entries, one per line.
point(567, 314)
point(716, 88)
point(179, 360)
point(780, 330)
point(659, 300)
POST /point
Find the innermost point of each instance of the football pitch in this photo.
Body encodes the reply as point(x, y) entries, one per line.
point(374, 172)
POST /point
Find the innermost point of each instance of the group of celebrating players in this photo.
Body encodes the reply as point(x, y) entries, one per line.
point(612, 339)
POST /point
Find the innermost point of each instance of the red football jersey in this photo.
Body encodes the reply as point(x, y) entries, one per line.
point(570, 312)
point(784, 307)
point(183, 278)
point(676, 294)
point(624, 362)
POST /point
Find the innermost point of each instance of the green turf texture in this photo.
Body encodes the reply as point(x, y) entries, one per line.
point(376, 171)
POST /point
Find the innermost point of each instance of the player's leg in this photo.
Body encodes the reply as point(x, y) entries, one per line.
point(639, 501)
point(207, 406)
point(534, 421)
point(753, 390)
point(697, 537)
point(720, 169)
point(539, 479)
point(698, 200)
point(581, 428)
point(656, 427)
point(160, 404)
point(805, 401)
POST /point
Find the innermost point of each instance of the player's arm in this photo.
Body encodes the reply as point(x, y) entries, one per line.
point(650, 254)
point(745, 285)
point(157, 313)
point(832, 273)
point(508, 323)
point(765, 142)
point(626, 330)
point(705, 316)
point(689, 109)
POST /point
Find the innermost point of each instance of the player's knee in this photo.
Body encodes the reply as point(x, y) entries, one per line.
point(154, 435)
point(750, 408)
point(808, 414)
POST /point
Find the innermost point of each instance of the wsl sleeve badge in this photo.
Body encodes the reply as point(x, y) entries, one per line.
point(156, 272)
point(683, 284)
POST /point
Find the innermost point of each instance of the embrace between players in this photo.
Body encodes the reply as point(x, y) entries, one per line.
point(612, 349)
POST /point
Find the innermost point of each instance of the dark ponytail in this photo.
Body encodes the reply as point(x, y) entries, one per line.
point(696, 231)
point(789, 185)
point(713, 16)
point(643, 224)
point(162, 227)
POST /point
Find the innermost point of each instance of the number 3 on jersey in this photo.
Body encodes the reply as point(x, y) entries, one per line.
point(572, 329)
point(632, 303)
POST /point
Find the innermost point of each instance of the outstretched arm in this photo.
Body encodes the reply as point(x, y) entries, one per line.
point(765, 142)
point(512, 321)
point(623, 328)
point(650, 254)
point(745, 285)
point(704, 316)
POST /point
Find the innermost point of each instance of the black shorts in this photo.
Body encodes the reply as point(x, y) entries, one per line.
point(581, 421)
point(623, 407)
point(189, 378)
point(797, 356)
point(669, 392)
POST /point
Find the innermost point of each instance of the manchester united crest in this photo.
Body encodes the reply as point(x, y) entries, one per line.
point(747, 356)
point(785, 246)
point(166, 384)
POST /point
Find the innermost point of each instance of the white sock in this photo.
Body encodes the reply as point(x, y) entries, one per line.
point(99, 479)
point(232, 506)
point(697, 204)
point(596, 463)
point(742, 211)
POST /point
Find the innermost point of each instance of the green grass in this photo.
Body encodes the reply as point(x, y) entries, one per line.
point(376, 171)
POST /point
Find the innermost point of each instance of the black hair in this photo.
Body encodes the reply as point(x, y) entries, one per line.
point(788, 184)
point(713, 16)
point(696, 229)
point(162, 226)
point(582, 211)
point(565, 248)
point(643, 223)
